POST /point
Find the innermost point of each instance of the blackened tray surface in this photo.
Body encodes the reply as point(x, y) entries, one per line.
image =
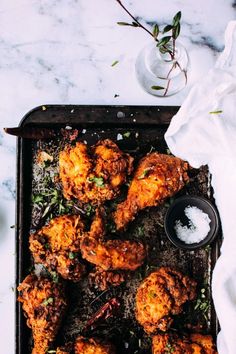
point(146, 127)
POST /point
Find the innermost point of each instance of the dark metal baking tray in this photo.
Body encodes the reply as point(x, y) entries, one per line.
point(147, 126)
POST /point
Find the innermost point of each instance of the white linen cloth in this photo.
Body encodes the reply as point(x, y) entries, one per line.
point(201, 137)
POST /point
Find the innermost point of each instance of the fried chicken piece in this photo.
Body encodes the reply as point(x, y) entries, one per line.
point(103, 279)
point(169, 343)
point(205, 341)
point(44, 304)
point(96, 174)
point(57, 246)
point(92, 346)
point(193, 344)
point(161, 295)
point(62, 351)
point(156, 178)
point(111, 254)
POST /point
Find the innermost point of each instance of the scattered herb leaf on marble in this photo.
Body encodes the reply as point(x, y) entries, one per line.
point(115, 63)
point(216, 112)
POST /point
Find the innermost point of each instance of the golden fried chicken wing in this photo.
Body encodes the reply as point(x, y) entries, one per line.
point(111, 254)
point(57, 246)
point(157, 177)
point(193, 344)
point(161, 295)
point(44, 304)
point(92, 346)
point(96, 174)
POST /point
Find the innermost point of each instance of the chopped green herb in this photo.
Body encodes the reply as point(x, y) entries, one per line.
point(89, 210)
point(140, 230)
point(208, 248)
point(154, 87)
point(151, 149)
point(144, 174)
point(160, 224)
point(110, 227)
point(54, 276)
point(202, 304)
point(72, 255)
point(48, 301)
point(99, 182)
point(216, 112)
point(126, 134)
point(38, 198)
point(169, 348)
point(115, 63)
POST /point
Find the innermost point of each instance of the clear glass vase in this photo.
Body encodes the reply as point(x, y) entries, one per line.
point(161, 74)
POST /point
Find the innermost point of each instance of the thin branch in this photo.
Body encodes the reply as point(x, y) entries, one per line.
point(168, 83)
point(138, 23)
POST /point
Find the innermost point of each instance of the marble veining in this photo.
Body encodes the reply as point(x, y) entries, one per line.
point(61, 51)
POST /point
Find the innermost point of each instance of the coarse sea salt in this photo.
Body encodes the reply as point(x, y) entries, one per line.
point(197, 228)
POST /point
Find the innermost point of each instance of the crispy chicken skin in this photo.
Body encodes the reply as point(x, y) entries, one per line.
point(103, 279)
point(205, 341)
point(57, 245)
point(92, 346)
point(161, 295)
point(156, 178)
point(93, 175)
point(44, 304)
point(62, 351)
point(171, 343)
point(111, 254)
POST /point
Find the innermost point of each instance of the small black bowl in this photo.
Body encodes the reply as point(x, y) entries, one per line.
point(176, 212)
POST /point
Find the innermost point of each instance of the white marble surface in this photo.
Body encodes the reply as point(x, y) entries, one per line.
point(61, 51)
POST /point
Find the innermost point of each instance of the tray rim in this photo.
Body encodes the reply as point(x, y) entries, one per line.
point(19, 317)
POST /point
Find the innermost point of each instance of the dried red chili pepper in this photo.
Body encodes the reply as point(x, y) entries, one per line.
point(106, 311)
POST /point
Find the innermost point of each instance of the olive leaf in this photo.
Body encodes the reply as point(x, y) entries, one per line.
point(157, 88)
point(155, 30)
point(176, 19)
point(176, 31)
point(167, 28)
point(124, 24)
point(163, 41)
